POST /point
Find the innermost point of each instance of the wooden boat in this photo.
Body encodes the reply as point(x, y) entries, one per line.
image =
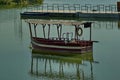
point(64, 43)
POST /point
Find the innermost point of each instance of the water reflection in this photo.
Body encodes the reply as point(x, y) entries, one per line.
point(118, 24)
point(17, 24)
point(108, 25)
point(58, 67)
point(10, 18)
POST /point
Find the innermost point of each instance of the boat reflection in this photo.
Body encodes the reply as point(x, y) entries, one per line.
point(108, 25)
point(57, 67)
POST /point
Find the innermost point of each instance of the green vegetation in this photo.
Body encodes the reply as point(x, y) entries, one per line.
point(18, 3)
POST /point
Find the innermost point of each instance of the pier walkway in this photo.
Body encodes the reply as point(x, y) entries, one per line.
point(68, 10)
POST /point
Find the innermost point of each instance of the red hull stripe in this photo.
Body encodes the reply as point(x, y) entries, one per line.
point(59, 47)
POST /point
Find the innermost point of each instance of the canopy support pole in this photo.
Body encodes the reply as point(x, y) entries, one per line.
point(90, 33)
point(30, 30)
point(76, 31)
point(35, 25)
point(59, 30)
point(43, 25)
point(48, 31)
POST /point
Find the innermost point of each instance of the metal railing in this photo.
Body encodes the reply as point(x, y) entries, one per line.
point(73, 8)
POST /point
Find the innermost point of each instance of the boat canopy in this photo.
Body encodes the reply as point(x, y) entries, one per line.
point(77, 24)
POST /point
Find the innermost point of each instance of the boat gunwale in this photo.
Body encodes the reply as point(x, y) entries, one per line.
point(62, 43)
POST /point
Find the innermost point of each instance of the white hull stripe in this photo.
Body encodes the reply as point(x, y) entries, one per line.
point(60, 47)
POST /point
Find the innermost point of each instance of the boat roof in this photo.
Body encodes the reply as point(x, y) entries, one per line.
point(63, 22)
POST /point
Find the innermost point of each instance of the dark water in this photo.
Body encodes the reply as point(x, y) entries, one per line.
point(16, 56)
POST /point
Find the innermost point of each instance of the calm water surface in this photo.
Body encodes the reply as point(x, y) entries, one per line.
point(16, 58)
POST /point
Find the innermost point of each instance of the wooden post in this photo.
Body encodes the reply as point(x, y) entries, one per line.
point(30, 30)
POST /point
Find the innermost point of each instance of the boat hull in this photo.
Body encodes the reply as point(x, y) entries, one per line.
point(42, 46)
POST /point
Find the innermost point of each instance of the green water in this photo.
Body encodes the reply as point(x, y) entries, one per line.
point(18, 63)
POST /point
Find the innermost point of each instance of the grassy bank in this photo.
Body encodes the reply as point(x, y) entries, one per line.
point(6, 4)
